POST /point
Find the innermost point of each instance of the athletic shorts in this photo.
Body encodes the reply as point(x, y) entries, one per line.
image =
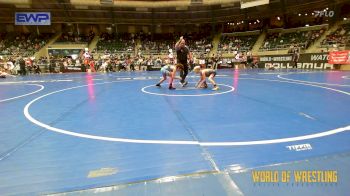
point(165, 72)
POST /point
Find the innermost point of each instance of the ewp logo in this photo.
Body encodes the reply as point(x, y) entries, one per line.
point(33, 18)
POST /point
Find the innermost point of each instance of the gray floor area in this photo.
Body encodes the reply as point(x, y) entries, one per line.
point(237, 182)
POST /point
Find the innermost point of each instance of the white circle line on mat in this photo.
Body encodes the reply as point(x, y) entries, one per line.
point(179, 142)
point(17, 97)
point(319, 83)
point(187, 95)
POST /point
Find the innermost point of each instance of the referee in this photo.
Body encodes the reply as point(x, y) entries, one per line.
point(183, 53)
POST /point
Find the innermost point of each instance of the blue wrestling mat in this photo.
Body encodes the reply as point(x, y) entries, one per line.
point(119, 134)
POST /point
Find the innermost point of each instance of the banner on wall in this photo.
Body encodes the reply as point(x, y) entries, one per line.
point(64, 52)
point(306, 61)
point(33, 18)
point(339, 57)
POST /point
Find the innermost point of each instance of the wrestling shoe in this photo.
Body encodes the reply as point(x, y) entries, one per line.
point(216, 88)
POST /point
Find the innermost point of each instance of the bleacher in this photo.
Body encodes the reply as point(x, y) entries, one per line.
point(24, 44)
point(199, 42)
point(116, 43)
point(283, 41)
point(230, 43)
point(337, 38)
point(159, 44)
point(71, 37)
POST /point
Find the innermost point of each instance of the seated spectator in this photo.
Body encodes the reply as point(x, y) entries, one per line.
point(230, 43)
point(282, 41)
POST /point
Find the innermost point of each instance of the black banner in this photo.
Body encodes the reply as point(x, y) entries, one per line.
point(64, 52)
point(306, 61)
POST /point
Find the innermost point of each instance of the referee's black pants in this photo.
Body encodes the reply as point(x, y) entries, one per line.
point(184, 72)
